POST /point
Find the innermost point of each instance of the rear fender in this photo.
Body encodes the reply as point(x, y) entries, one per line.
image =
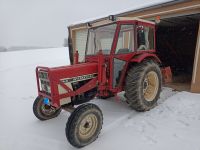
point(139, 58)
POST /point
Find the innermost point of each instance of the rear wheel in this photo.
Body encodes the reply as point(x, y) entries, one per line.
point(43, 111)
point(143, 85)
point(84, 125)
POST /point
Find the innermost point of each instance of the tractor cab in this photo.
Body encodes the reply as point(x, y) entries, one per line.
point(120, 37)
point(120, 40)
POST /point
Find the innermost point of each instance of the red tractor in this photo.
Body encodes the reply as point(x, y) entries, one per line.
point(120, 56)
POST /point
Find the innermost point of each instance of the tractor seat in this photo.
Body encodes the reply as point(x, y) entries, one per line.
point(123, 51)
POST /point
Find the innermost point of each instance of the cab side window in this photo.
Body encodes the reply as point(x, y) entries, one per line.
point(125, 42)
point(145, 38)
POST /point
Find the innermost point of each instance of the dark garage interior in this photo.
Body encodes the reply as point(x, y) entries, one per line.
point(176, 43)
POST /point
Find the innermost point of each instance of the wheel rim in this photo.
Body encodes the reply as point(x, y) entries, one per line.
point(47, 110)
point(150, 86)
point(88, 126)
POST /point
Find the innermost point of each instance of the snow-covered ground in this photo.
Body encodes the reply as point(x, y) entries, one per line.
point(173, 124)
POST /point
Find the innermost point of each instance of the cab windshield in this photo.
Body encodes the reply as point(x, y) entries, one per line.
point(100, 38)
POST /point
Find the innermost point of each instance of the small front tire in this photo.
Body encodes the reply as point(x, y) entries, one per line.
point(84, 125)
point(43, 111)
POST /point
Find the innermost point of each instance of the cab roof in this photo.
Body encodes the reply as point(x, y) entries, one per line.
point(113, 19)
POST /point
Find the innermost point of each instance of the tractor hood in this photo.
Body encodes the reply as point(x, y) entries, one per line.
point(74, 73)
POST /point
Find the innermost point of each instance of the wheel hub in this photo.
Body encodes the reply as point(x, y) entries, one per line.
point(150, 86)
point(47, 109)
point(145, 85)
point(88, 126)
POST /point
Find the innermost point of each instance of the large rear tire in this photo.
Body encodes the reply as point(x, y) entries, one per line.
point(143, 85)
point(84, 125)
point(43, 111)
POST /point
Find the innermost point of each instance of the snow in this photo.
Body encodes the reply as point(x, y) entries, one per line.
point(173, 124)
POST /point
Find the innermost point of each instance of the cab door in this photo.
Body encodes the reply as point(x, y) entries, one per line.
point(123, 52)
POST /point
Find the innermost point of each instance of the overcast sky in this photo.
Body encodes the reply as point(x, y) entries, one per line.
point(44, 22)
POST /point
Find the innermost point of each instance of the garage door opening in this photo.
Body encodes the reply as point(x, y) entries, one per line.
point(176, 43)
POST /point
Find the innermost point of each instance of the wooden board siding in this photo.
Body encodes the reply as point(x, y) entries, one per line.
point(195, 87)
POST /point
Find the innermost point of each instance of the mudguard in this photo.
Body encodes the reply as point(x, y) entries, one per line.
point(140, 57)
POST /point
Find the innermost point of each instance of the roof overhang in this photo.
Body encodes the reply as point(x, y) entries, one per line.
point(173, 2)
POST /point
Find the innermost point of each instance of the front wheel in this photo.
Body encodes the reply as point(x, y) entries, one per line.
point(43, 111)
point(84, 125)
point(143, 85)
